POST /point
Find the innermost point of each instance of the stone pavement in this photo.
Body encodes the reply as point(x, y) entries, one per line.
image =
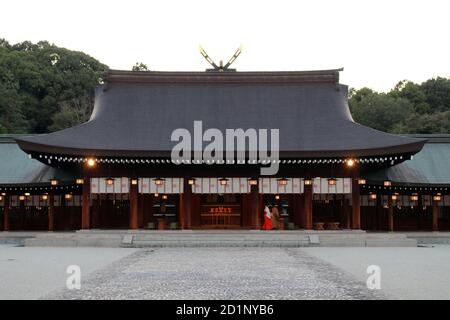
point(219, 273)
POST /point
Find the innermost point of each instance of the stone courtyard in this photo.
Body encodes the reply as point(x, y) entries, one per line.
point(224, 273)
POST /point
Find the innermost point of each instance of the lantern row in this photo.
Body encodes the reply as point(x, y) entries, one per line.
point(93, 161)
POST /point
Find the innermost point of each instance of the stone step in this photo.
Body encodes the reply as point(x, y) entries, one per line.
point(127, 238)
point(218, 243)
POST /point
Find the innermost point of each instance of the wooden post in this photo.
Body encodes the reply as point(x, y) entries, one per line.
point(6, 213)
point(347, 215)
point(356, 205)
point(96, 218)
point(51, 211)
point(133, 206)
point(146, 209)
point(435, 218)
point(307, 211)
point(85, 204)
point(297, 207)
point(255, 207)
point(390, 218)
point(187, 205)
point(379, 212)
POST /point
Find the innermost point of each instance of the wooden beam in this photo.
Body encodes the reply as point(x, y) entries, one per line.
point(390, 218)
point(187, 204)
point(134, 223)
point(307, 212)
point(51, 212)
point(347, 221)
point(435, 218)
point(356, 205)
point(85, 205)
point(255, 207)
point(6, 213)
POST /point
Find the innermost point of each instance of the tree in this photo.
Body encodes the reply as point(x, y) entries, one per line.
point(379, 110)
point(437, 93)
point(139, 66)
point(72, 112)
point(414, 93)
point(37, 79)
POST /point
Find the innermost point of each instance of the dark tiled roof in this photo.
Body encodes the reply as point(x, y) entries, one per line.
point(136, 112)
point(16, 167)
point(430, 166)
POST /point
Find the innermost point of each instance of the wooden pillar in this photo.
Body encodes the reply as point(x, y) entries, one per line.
point(148, 208)
point(356, 205)
point(390, 215)
point(255, 207)
point(379, 212)
point(307, 212)
point(51, 212)
point(347, 215)
point(133, 206)
point(6, 213)
point(85, 204)
point(96, 218)
point(435, 218)
point(187, 205)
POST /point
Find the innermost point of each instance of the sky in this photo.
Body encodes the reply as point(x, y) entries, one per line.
point(378, 43)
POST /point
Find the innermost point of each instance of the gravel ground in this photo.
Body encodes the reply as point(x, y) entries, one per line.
point(225, 273)
point(406, 273)
point(29, 273)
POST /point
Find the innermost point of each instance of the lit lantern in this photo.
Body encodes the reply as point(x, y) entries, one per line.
point(253, 182)
point(414, 197)
point(67, 196)
point(21, 198)
point(54, 182)
point(437, 197)
point(109, 181)
point(350, 163)
point(44, 197)
point(332, 181)
point(362, 181)
point(307, 181)
point(159, 181)
point(394, 197)
point(223, 181)
point(191, 181)
point(277, 197)
point(387, 183)
point(27, 194)
point(373, 196)
point(90, 162)
point(3, 193)
point(134, 181)
point(79, 181)
point(164, 197)
point(1, 198)
point(156, 195)
point(283, 181)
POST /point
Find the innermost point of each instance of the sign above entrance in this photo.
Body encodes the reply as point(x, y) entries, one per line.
point(214, 185)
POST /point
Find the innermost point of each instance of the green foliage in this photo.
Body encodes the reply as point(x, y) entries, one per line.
point(45, 88)
point(38, 81)
point(408, 108)
point(139, 66)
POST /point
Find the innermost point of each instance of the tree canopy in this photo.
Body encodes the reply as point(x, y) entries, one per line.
point(44, 87)
point(408, 108)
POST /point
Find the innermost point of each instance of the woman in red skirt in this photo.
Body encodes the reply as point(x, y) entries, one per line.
point(267, 225)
